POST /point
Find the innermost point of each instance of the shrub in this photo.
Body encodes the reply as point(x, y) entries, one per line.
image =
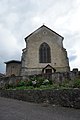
point(28, 83)
point(45, 82)
point(29, 87)
point(39, 81)
point(65, 84)
point(76, 83)
point(21, 83)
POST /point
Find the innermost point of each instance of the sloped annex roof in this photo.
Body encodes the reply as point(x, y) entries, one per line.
point(40, 28)
point(13, 61)
point(50, 67)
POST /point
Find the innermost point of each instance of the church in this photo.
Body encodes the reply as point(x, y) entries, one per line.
point(44, 53)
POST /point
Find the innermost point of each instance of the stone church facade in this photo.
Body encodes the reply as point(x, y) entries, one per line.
point(44, 53)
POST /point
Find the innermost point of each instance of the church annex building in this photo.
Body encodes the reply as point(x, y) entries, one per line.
point(44, 53)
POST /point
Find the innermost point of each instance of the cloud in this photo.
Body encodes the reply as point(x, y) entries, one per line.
point(19, 18)
point(9, 48)
point(72, 57)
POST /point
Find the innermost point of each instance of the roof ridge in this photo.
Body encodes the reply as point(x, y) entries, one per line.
point(47, 28)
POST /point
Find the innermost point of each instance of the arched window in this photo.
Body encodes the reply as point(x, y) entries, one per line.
point(44, 53)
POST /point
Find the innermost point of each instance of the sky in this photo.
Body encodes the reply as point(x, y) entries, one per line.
point(19, 18)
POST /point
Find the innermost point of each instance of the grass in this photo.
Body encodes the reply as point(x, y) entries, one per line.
point(42, 87)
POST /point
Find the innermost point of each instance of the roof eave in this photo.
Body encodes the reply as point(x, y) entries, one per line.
point(11, 61)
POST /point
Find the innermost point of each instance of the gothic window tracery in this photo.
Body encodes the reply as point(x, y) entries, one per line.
point(44, 53)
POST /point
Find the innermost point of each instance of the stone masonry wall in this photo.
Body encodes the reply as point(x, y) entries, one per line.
point(58, 77)
point(12, 80)
point(64, 97)
point(55, 77)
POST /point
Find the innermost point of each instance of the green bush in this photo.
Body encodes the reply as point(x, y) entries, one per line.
point(39, 81)
point(29, 87)
point(76, 83)
point(28, 83)
point(65, 84)
point(21, 83)
point(70, 84)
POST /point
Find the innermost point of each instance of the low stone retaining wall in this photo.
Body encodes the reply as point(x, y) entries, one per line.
point(56, 77)
point(11, 80)
point(64, 97)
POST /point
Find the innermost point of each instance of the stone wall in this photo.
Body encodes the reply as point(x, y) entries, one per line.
point(59, 77)
point(64, 97)
point(12, 80)
point(13, 68)
point(56, 77)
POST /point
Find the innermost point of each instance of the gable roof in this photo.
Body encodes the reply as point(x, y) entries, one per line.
point(40, 28)
point(50, 67)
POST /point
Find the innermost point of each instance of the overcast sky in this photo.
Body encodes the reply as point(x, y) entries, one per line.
point(18, 18)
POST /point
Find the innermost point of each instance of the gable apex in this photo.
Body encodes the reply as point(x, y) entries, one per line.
point(41, 28)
